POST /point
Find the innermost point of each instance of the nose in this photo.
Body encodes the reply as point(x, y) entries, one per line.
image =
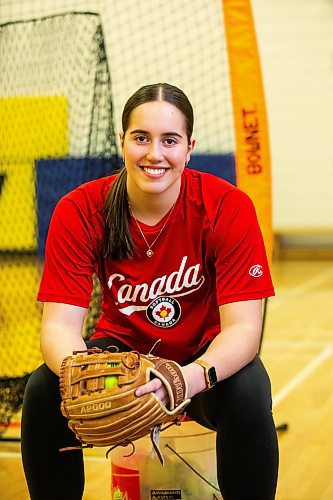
point(154, 153)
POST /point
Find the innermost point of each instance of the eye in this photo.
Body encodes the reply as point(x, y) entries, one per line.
point(141, 138)
point(170, 141)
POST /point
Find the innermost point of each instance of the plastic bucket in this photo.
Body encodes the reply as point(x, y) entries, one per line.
point(188, 473)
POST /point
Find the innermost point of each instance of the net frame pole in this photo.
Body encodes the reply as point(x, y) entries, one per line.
point(252, 149)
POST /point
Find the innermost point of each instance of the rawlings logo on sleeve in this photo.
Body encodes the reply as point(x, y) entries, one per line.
point(256, 271)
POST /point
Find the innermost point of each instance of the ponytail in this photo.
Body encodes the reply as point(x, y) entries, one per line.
point(117, 242)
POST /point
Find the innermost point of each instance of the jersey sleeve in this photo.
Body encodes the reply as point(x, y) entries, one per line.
point(69, 257)
point(242, 270)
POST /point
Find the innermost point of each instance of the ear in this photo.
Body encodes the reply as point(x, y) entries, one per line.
point(191, 146)
point(121, 139)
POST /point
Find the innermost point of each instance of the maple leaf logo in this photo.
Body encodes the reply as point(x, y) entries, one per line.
point(163, 312)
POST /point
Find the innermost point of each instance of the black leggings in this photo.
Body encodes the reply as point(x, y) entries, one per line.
point(238, 409)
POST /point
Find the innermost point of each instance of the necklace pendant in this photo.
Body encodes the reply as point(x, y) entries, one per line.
point(149, 252)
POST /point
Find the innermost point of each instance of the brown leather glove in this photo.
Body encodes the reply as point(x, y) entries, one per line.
point(98, 396)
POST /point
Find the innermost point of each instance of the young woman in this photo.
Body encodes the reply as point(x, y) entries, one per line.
point(175, 251)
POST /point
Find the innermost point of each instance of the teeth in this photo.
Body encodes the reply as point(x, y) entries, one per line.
point(156, 171)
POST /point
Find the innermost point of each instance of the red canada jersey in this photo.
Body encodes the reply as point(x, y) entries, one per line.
point(210, 253)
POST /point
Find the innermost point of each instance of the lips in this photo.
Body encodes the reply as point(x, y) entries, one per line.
point(154, 170)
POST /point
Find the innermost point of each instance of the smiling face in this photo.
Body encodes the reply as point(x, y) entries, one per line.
point(155, 148)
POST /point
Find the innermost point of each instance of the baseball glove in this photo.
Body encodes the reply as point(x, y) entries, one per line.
point(98, 396)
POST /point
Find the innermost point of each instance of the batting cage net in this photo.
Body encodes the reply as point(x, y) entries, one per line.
point(56, 132)
point(66, 71)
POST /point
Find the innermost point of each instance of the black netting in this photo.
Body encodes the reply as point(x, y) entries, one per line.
point(11, 392)
point(55, 104)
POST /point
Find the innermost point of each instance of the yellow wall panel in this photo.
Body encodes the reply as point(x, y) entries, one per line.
point(34, 127)
point(20, 315)
point(17, 207)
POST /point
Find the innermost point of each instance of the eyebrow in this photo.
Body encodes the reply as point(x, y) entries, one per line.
point(138, 131)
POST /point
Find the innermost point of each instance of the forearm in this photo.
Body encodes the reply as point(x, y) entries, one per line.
point(61, 333)
point(230, 351)
point(57, 344)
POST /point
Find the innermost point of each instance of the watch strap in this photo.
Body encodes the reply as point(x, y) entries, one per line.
point(208, 369)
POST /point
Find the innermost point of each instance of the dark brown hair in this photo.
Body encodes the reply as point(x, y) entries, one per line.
point(118, 243)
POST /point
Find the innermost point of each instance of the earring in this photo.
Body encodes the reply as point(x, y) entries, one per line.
point(186, 164)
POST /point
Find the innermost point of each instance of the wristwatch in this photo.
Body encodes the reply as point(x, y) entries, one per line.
point(210, 373)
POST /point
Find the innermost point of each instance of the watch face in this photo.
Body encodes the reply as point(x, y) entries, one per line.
point(212, 376)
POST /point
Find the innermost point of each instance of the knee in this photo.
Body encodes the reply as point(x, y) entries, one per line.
point(247, 394)
point(43, 384)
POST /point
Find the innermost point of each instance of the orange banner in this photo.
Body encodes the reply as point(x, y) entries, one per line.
point(250, 120)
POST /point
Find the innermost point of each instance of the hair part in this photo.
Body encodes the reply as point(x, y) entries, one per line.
point(118, 242)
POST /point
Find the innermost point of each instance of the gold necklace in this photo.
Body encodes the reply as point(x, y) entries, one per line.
point(150, 252)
